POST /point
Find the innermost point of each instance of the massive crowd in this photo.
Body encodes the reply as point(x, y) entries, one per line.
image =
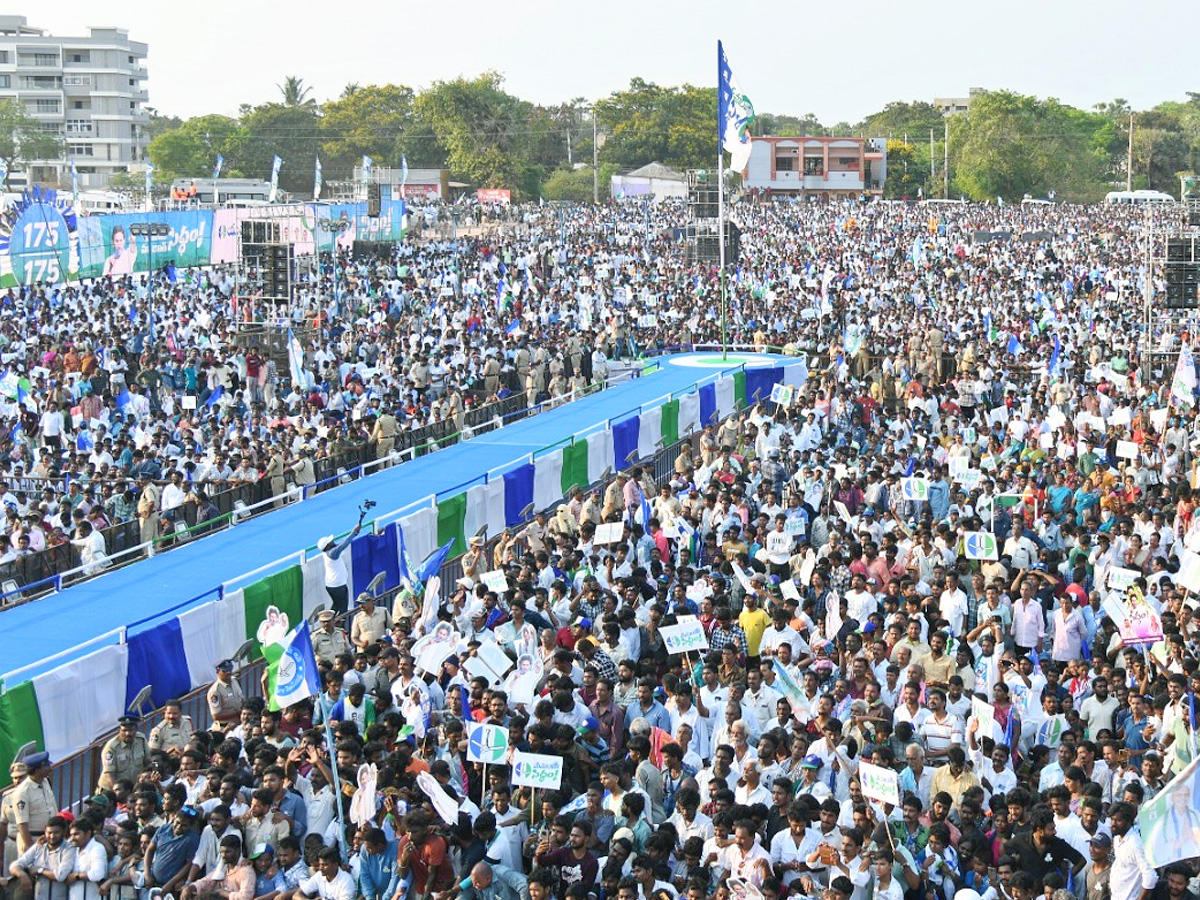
point(952, 566)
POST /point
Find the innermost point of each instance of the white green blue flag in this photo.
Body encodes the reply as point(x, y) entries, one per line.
point(291, 669)
point(735, 114)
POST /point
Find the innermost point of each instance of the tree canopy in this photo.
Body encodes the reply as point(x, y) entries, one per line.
point(1006, 144)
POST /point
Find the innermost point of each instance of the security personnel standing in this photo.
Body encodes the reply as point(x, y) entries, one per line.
point(124, 756)
point(384, 435)
point(329, 641)
point(8, 814)
point(149, 501)
point(225, 697)
point(34, 801)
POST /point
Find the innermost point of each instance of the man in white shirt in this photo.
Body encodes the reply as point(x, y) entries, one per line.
point(173, 498)
point(91, 862)
point(330, 882)
point(1132, 877)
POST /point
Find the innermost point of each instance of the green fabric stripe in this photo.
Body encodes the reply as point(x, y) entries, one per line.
point(452, 521)
point(283, 590)
point(670, 422)
point(20, 723)
point(739, 388)
point(575, 465)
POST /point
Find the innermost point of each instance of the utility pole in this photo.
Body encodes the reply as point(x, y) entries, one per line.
point(570, 160)
point(946, 163)
point(595, 161)
point(932, 167)
point(1129, 157)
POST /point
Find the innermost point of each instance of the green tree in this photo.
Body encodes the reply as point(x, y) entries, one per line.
point(22, 139)
point(483, 130)
point(1010, 144)
point(575, 185)
point(295, 92)
point(788, 126)
point(647, 123)
point(898, 118)
point(191, 149)
point(371, 120)
point(292, 132)
point(907, 169)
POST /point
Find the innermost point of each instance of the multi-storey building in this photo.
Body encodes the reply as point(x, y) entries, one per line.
point(91, 91)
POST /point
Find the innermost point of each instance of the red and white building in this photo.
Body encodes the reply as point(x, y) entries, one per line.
point(823, 167)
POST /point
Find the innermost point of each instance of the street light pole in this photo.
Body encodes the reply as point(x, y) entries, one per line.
point(150, 230)
point(595, 161)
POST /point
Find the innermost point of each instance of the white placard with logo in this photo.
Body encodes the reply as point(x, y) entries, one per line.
point(684, 637)
point(879, 783)
point(536, 770)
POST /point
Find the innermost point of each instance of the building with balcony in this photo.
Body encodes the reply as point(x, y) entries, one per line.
point(817, 167)
point(91, 91)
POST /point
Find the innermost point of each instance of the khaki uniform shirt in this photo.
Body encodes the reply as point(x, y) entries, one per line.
point(171, 737)
point(33, 804)
point(121, 760)
point(369, 628)
point(327, 645)
point(224, 698)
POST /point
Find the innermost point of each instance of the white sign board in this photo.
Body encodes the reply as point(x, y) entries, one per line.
point(684, 637)
point(496, 581)
point(879, 783)
point(536, 770)
point(1188, 576)
point(1120, 579)
point(609, 533)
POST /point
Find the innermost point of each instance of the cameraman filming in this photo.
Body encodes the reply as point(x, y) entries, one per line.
point(337, 576)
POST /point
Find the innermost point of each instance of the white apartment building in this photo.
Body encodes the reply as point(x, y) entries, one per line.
point(90, 90)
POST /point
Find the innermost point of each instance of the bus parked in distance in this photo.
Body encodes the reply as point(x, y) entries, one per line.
point(1137, 197)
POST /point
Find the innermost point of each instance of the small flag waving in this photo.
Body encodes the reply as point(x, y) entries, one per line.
point(433, 562)
point(276, 165)
point(74, 183)
point(367, 165)
point(296, 362)
point(291, 669)
point(1055, 359)
point(217, 168)
point(317, 181)
point(735, 114)
point(403, 175)
point(149, 177)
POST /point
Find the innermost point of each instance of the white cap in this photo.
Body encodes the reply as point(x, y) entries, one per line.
point(325, 543)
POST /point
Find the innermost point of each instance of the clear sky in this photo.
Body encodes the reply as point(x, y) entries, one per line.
point(840, 61)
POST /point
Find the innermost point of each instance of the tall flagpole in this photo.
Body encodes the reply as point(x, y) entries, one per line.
point(721, 208)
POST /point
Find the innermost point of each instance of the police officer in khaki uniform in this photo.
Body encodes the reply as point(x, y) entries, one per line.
point(371, 622)
point(329, 641)
point(149, 501)
point(225, 697)
point(124, 756)
point(491, 376)
point(34, 801)
point(384, 435)
point(172, 734)
point(8, 814)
